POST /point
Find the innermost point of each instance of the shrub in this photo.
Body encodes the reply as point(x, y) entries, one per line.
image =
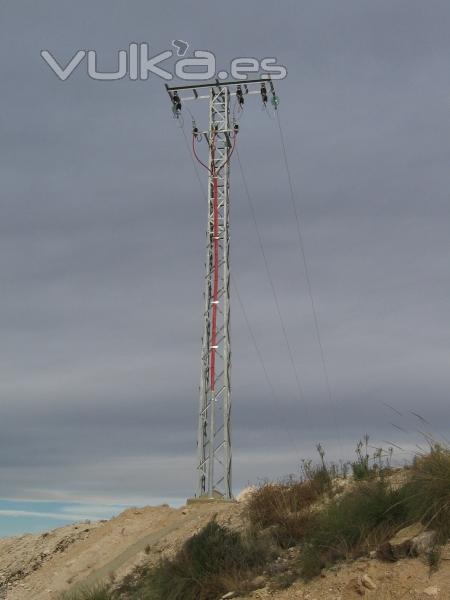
point(284, 508)
point(351, 524)
point(273, 500)
point(98, 592)
point(320, 476)
point(207, 564)
point(434, 558)
point(381, 461)
point(428, 491)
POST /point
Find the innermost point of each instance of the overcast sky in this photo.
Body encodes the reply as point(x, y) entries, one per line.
point(102, 246)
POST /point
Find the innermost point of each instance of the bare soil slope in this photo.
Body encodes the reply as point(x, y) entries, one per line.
point(407, 579)
point(39, 567)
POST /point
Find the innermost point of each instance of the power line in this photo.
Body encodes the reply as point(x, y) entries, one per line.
point(263, 366)
point(272, 286)
point(307, 277)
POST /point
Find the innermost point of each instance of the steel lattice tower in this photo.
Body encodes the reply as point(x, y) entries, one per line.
point(214, 415)
point(214, 443)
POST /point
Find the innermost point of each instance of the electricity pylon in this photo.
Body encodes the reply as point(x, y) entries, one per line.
point(214, 416)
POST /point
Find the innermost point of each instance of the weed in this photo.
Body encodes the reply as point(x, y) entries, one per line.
point(207, 564)
point(283, 507)
point(380, 459)
point(99, 592)
point(428, 491)
point(283, 580)
point(351, 524)
point(434, 557)
point(361, 468)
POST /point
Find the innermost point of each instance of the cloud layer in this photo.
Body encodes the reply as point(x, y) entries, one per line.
point(102, 244)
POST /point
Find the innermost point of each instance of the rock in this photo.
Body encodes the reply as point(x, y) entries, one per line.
point(423, 543)
point(354, 588)
point(410, 541)
point(258, 582)
point(246, 494)
point(432, 591)
point(229, 595)
point(368, 582)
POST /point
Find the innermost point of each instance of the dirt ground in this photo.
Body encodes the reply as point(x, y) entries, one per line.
point(39, 567)
point(407, 579)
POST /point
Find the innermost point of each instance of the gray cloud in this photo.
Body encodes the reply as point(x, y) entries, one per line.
point(102, 243)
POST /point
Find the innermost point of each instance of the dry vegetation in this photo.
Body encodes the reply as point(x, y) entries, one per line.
point(324, 517)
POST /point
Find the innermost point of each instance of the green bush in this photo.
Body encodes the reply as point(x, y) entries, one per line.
point(351, 524)
point(204, 569)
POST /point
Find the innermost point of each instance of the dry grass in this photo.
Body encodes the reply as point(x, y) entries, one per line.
point(326, 528)
point(208, 565)
point(99, 592)
point(284, 508)
point(352, 524)
point(428, 490)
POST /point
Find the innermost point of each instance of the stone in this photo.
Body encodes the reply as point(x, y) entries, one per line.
point(423, 543)
point(246, 494)
point(355, 588)
point(258, 582)
point(432, 591)
point(410, 541)
point(229, 595)
point(368, 582)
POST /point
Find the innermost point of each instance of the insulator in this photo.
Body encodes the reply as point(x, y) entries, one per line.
point(176, 101)
point(239, 95)
point(264, 93)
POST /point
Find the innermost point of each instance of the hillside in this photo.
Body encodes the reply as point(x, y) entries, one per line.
point(39, 567)
point(377, 532)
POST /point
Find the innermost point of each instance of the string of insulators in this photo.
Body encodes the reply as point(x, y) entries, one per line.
point(176, 100)
point(240, 96)
point(264, 93)
point(275, 100)
point(176, 103)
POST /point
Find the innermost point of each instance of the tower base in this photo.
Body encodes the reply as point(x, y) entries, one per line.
point(216, 499)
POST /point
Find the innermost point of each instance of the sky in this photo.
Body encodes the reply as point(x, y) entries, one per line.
point(102, 248)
